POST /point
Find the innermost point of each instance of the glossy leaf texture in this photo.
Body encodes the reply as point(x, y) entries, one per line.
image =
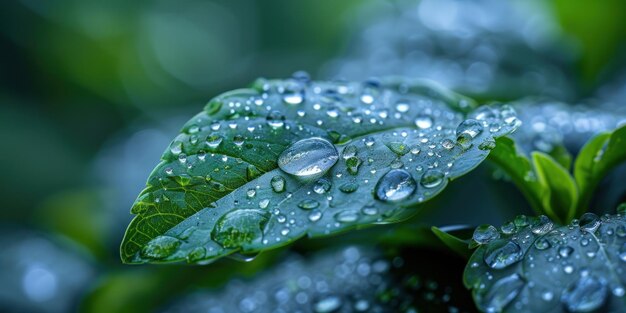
point(533, 265)
point(262, 167)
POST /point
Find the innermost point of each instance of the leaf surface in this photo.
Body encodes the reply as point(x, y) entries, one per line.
point(532, 265)
point(264, 166)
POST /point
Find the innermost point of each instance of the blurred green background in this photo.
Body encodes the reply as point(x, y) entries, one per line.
point(93, 91)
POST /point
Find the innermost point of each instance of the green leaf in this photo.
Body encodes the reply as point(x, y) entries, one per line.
point(541, 267)
point(350, 154)
point(601, 154)
point(507, 157)
point(456, 244)
point(561, 196)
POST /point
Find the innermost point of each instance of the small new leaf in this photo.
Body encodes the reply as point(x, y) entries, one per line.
point(601, 154)
point(561, 193)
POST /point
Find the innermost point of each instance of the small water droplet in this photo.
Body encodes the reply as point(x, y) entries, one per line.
point(308, 157)
point(423, 121)
point(501, 254)
point(396, 185)
point(565, 251)
point(278, 183)
point(352, 165)
point(308, 204)
point(240, 227)
point(348, 216)
point(488, 144)
point(160, 247)
point(348, 187)
point(213, 141)
point(322, 186)
point(432, 178)
point(275, 119)
point(485, 233)
point(315, 215)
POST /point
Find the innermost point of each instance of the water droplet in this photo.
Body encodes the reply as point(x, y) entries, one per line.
point(468, 130)
point(542, 225)
point(501, 254)
point(485, 233)
point(251, 193)
point(160, 247)
point(488, 144)
point(176, 147)
point(521, 221)
point(403, 105)
point(293, 94)
point(589, 222)
point(238, 140)
point(349, 152)
point(565, 251)
point(423, 121)
point(432, 178)
point(196, 254)
point(328, 304)
point(240, 227)
point(447, 144)
point(348, 216)
point(396, 185)
point(352, 165)
point(322, 186)
point(501, 293)
point(369, 210)
point(398, 148)
point(348, 187)
point(508, 228)
point(585, 295)
point(278, 183)
point(264, 203)
point(308, 157)
point(214, 141)
point(275, 119)
point(308, 204)
point(315, 215)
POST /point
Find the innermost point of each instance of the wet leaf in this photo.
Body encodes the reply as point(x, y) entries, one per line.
point(262, 167)
point(533, 265)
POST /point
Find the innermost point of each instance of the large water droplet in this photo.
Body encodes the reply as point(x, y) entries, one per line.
point(308, 157)
point(502, 254)
point(589, 222)
point(584, 295)
point(432, 178)
point(240, 227)
point(468, 130)
point(485, 233)
point(160, 247)
point(501, 293)
point(396, 185)
point(542, 225)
